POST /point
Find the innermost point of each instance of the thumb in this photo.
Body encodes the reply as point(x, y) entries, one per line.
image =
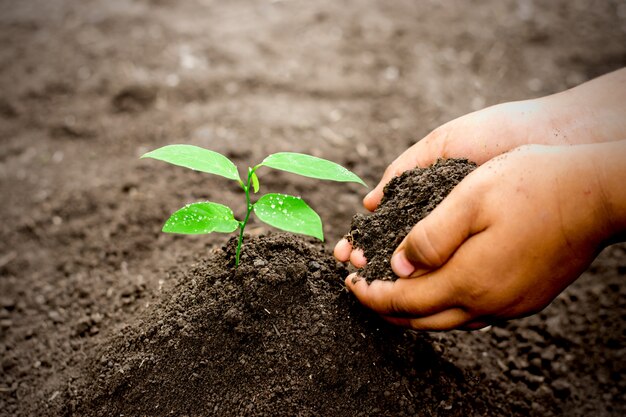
point(434, 239)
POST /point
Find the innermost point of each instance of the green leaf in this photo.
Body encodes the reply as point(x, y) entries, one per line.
point(201, 218)
point(196, 158)
point(289, 213)
point(255, 182)
point(310, 166)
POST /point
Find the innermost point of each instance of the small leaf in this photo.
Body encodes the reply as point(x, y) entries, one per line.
point(310, 166)
point(196, 158)
point(289, 213)
point(255, 182)
point(201, 218)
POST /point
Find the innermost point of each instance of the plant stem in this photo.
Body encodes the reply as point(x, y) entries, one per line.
point(242, 224)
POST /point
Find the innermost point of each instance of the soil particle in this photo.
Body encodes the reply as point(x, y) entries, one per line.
point(7, 109)
point(561, 387)
point(134, 98)
point(407, 199)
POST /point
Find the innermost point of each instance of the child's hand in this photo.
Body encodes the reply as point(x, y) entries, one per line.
point(509, 238)
point(477, 136)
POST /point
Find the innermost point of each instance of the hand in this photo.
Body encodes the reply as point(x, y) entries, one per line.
point(590, 113)
point(509, 238)
point(478, 136)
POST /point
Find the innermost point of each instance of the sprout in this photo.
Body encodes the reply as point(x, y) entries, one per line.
point(283, 211)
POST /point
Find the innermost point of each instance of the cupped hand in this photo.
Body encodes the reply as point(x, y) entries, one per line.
point(508, 239)
point(477, 136)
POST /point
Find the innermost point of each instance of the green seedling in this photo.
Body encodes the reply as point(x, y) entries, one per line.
point(283, 211)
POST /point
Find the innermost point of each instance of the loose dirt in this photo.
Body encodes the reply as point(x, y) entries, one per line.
point(87, 87)
point(279, 336)
point(407, 199)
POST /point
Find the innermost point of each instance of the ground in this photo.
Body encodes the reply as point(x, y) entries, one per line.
point(87, 87)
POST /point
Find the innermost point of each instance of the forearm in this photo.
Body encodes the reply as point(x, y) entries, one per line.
point(592, 112)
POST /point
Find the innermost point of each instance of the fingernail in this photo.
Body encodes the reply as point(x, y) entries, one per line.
point(401, 265)
point(352, 279)
point(419, 272)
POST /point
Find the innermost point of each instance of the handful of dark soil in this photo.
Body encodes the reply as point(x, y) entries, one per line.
point(407, 199)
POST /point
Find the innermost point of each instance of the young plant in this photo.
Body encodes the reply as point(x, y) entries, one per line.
point(283, 211)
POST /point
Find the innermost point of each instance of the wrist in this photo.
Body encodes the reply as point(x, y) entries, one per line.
point(592, 112)
point(590, 203)
point(609, 160)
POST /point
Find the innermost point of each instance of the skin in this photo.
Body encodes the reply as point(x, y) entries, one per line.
point(546, 198)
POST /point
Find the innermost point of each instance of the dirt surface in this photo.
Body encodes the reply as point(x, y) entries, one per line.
point(407, 199)
point(278, 337)
point(87, 87)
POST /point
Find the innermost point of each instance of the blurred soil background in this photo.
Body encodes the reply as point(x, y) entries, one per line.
point(86, 87)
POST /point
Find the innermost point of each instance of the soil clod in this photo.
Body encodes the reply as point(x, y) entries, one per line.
point(407, 199)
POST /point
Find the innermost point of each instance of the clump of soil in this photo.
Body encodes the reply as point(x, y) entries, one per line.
point(407, 199)
point(277, 336)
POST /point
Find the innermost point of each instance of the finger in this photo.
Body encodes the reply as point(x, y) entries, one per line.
point(434, 239)
point(422, 154)
point(475, 325)
point(342, 251)
point(444, 320)
point(417, 297)
point(357, 258)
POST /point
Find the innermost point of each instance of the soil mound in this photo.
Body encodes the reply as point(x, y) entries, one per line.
point(408, 198)
point(278, 336)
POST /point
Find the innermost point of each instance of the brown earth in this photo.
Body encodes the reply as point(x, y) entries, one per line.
point(87, 87)
point(407, 199)
point(280, 336)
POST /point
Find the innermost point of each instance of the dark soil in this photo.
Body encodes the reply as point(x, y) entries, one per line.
point(89, 86)
point(407, 199)
point(280, 336)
